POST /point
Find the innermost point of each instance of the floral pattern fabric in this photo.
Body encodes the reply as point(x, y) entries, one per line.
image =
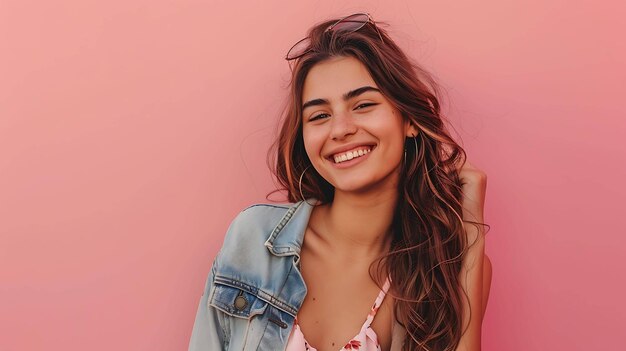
point(365, 340)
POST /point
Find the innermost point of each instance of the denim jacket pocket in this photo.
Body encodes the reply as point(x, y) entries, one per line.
point(236, 298)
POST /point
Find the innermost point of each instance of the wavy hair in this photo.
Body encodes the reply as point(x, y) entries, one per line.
point(429, 239)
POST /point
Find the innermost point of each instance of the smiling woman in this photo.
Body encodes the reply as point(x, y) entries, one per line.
point(380, 245)
point(359, 118)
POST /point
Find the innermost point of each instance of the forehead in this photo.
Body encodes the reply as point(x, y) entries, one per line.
point(332, 78)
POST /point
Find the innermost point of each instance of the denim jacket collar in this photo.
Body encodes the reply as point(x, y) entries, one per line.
point(287, 236)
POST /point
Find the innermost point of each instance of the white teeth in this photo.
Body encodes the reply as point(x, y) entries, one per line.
point(351, 154)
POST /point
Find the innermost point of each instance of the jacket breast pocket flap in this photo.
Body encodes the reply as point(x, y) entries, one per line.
point(237, 302)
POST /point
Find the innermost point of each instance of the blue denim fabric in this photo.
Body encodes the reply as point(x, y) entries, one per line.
point(255, 289)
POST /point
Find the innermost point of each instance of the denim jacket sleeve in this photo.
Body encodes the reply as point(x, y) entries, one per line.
point(208, 330)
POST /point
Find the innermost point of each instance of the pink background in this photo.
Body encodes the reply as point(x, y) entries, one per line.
point(132, 132)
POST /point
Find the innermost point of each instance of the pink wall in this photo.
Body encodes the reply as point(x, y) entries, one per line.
point(132, 132)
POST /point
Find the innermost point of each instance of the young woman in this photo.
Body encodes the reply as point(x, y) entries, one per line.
point(380, 245)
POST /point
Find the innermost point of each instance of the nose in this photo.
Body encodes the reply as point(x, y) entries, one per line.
point(342, 126)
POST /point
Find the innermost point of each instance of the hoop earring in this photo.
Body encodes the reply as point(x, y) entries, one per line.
point(300, 186)
point(415, 140)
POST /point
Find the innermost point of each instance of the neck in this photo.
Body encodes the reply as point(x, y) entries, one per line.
point(358, 224)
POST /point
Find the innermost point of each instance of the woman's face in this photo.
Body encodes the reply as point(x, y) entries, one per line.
point(344, 111)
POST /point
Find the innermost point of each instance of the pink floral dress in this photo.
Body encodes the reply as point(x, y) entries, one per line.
point(365, 340)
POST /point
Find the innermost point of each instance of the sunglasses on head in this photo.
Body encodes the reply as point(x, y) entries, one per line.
point(350, 23)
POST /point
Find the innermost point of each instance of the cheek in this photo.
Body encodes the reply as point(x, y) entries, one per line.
point(392, 138)
point(312, 144)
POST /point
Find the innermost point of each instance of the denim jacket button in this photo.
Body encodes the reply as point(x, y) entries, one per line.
point(240, 302)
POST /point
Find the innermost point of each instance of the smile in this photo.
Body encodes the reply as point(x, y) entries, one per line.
point(347, 156)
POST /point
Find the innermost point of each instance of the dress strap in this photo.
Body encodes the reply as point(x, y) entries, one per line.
point(378, 302)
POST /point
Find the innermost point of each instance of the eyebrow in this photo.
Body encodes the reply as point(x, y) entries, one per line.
point(347, 96)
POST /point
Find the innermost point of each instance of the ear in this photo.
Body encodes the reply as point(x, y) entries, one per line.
point(411, 129)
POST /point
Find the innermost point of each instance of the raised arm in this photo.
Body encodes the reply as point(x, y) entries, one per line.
point(475, 275)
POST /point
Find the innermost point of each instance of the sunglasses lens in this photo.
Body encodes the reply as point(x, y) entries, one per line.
point(298, 49)
point(351, 23)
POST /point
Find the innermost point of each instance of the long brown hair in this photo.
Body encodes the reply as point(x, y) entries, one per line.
point(429, 239)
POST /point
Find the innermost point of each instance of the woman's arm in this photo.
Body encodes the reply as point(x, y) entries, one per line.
point(476, 267)
point(471, 279)
point(487, 270)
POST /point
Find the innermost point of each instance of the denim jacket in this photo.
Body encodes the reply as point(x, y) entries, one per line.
point(255, 289)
